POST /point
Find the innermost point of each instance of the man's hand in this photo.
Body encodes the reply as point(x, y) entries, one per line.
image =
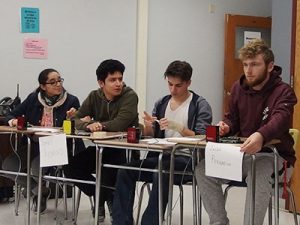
point(148, 119)
point(253, 143)
point(170, 124)
point(71, 113)
point(223, 128)
point(94, 127)
point(86, 119)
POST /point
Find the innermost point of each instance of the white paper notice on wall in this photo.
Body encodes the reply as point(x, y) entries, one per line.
point(53, 150)
point(250, 35)
point(223, 161)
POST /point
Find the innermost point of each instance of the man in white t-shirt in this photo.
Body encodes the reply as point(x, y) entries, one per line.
point(181, 113)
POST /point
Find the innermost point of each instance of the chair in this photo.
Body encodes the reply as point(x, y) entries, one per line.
point(59, 172)
point(76, 209)
point(147, 185)
point(295, 134)
point(130, 154)
point(180, 186)
point(64, 185)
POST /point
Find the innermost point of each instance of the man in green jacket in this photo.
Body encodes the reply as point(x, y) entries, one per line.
point(113, 107)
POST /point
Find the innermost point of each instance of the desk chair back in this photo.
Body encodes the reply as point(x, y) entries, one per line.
point(295, 134)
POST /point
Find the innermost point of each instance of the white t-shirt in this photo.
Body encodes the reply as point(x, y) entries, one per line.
point(180, 115)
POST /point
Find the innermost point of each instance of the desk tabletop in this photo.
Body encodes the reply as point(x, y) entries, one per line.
point(122, 143)
point(44, 131)
point(118, 138)
point(198, 141)
point(8, 129)
point(100, 136)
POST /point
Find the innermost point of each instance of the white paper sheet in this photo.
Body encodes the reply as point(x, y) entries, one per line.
point(250, 35)
point(186, 139)
point(53, 150)
point(223, 161)
point(44, 129)
point(157, 141)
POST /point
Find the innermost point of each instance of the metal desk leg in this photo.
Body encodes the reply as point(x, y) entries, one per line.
point(160, 190)
point(199, 205)
point(39, 196)
point(253, 181)
point(17, 197)
point(276, 181)
point(28, 179)
point(276, 188)
point(73, 186)
point(17, 187)
point(171, 181)
point(194, 189)
point(199, 201)
point(99, 152)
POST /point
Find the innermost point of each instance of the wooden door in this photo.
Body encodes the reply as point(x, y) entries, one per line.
point(235, 28)
point(295, 65)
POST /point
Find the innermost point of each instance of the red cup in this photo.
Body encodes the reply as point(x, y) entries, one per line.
point(21, 124)
point(132, 135)
point(212, 133)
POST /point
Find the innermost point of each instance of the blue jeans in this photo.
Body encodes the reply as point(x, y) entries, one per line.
point(126, 184)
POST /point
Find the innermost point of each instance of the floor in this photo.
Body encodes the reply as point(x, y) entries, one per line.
point(234, 207)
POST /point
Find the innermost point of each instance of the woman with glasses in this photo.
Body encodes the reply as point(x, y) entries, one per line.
point(48, 106)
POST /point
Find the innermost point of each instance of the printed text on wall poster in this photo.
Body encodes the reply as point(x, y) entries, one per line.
point(35, 48)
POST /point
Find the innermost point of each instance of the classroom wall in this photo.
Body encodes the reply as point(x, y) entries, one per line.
point(282, 34)
point(82, 33)
point(186, 30)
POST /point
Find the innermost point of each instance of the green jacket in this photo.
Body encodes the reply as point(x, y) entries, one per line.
point(115, 115)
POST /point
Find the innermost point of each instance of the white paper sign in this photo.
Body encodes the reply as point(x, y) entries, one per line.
point(53, 150)
point(250, 35)
point(223, 161)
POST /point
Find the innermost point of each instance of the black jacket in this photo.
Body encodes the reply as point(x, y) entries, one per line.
point(32, 109)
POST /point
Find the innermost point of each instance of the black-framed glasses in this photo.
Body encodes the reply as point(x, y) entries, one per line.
point(55, 82)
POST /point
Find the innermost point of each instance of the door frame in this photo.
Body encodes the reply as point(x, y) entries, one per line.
point(231, 22)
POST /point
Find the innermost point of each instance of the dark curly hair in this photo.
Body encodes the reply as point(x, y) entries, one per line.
point(107, 67)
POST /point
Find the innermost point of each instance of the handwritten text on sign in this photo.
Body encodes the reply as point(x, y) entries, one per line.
point(53, 150)
point(223, 161)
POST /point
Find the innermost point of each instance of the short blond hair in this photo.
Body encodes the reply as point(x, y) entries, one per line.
point(254, 48)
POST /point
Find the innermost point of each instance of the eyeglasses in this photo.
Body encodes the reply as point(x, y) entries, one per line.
point(55, 82)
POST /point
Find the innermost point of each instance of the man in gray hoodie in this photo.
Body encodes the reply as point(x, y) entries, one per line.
point(180, 113)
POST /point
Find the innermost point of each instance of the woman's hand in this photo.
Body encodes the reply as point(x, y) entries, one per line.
point(13, 122)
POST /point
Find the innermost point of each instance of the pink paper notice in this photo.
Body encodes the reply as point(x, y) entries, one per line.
point(35, 48)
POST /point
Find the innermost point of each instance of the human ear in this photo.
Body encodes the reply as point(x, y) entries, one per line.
point(42, 86)
point(270, 66)
point(101, 83)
